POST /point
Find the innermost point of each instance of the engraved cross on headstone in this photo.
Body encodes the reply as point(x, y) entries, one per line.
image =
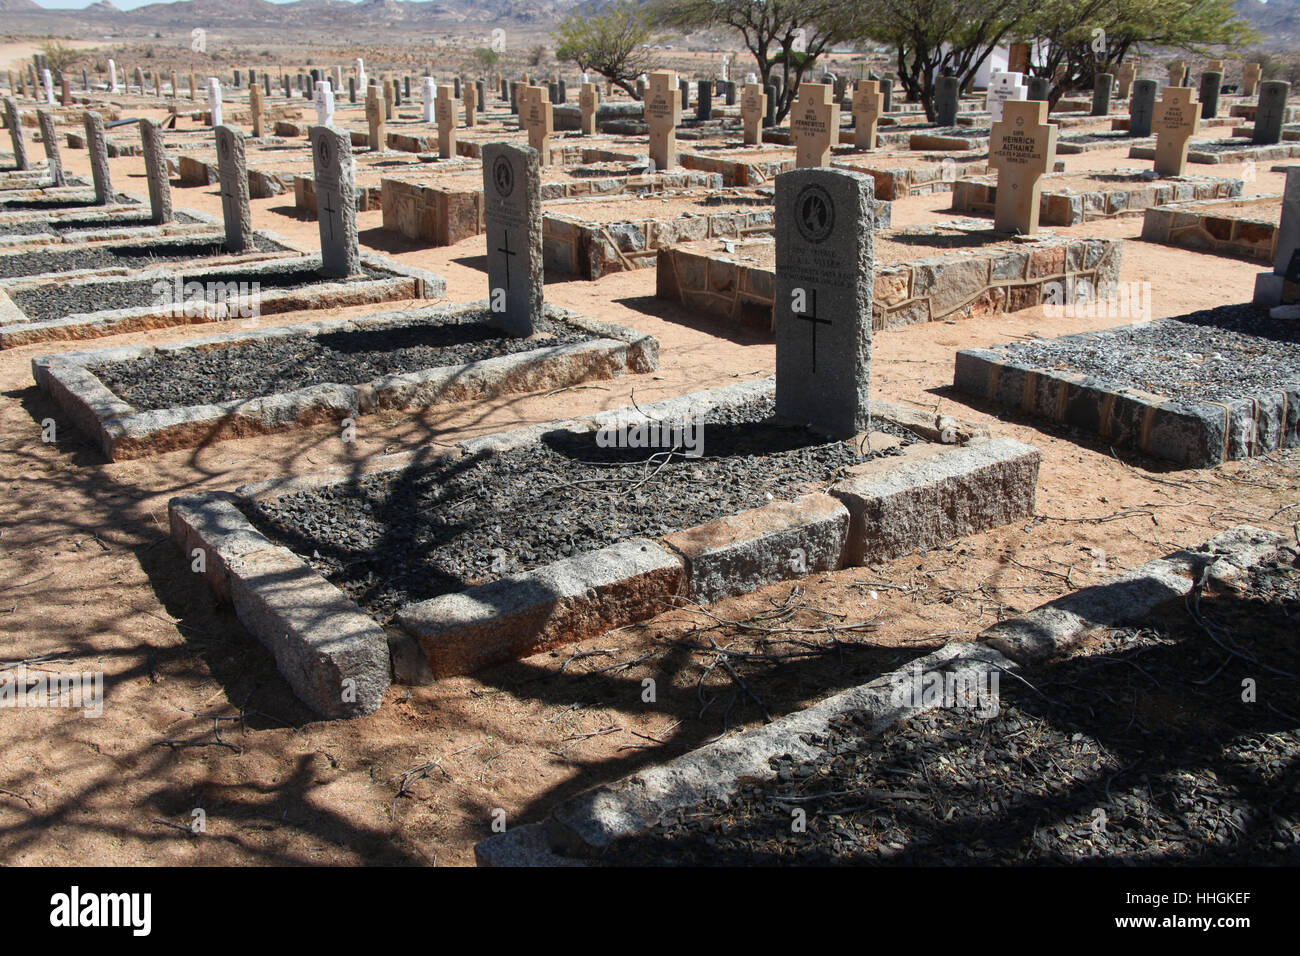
point(1177, 118)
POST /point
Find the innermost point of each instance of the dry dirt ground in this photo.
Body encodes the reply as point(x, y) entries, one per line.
point(197, 717)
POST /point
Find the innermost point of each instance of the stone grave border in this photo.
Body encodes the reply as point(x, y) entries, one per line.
point(931, 494)
point(1260, 153)
point(443, 215)
point(80, 189)
point(401, 282)
point(582, 827)
point(1069, 207)
point(1195, 225)
point(593, 249)
point(202, 225)
point(926, 290)
point(1195, 434)
point(898, 183)
point(122, 432)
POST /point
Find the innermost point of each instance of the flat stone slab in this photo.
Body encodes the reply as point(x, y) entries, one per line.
point(124, 432)
point(394, 282)
point(1244, 228)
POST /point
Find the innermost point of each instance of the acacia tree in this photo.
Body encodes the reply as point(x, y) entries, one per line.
point(785, 37)
point(1082, 38)
point(614, 42)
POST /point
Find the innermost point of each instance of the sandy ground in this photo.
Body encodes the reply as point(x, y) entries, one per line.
point(89, 576)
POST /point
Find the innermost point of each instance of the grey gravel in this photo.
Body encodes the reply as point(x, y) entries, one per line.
point(131, 255)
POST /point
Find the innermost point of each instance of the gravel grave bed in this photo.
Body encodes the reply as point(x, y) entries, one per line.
point(67, 202)
point(270, 366)
point(394, 538)
point(1138, 751)
point(1227, 145)
point(57, 227)
point(137, 256)
point(56, 301)
point(1214, 355)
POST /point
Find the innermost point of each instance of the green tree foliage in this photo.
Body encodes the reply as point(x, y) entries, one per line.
point(613, 42)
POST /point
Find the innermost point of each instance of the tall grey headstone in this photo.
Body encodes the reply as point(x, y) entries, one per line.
point(50, 137)
point(232, 177)
point(155, 171)
point(352, 89)
point(1271, 112)
point(822, 309)
point(1211, 83)
point(1040, 88)
point(946, 98)
point(769, 117)
point(1142, 107)
point(336, 200)
point(1271, 287)
point(512, 214)
point(729, 92)
point(887, 90)
point(1102, 88)
point(704, 101)
point(98, 149)
point(16, 136)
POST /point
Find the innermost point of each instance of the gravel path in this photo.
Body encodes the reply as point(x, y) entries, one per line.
point(1211, 356)
point(388, 540)
point(192, 377)
point(55, 301)
point(131, 255)
point(1140, 752)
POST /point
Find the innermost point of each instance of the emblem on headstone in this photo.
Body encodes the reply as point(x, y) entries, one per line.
point(816, 214)
point(503, 177)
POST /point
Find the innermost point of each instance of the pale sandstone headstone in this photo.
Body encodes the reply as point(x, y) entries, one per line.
point(97, 147)
point(1177, 72)
point(588, 103)
point(814, 125)
point(232, 178)
point(1126, 75)
point(663, 113)
point(469, 99)
point(823, 299)
point(155, 171)
point(1177, 119)
point(868, 104)
point(512, 216)
point(375, 119)
point(1250, 76)
point(446, 116)
point(1022, 147)
point(257, 106)
point(753, 107)
point(334, 176)
point(536, 115)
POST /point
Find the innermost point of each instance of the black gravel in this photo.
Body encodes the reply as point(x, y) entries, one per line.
point(70, 202)
point(178, 379)
point(58, 227)
point(1214, 355)
point(55, 301)
point(133, 255)
point(391, 539)
point(1139, 751)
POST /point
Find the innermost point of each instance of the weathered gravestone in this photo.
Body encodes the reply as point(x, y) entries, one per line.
point(512, 216)
point(360, 70)
point(334, 175)
point(753, 107)
point(814, 125)
point(469, 99)
point(1003, 87)
point(155, 171)
point(375, 119)
point(537, 116)
point(1126, 75)
point(1177, 72)
point(1022, 147)
point(338, 77)
point(388, 101)
point(822, 308)
point(1211, 83)
point(48, 79)
point(97, 147)
point(1142, 108)
point(868, 104)
point(588, 103)
point(1282, 284)
point(428, 93)
point(1038, 88)
point(663, 111)
point(1102, 87)
point(947, 96)
point(704, 101)
point(112, 76)
point(1176, 122)
point(323, 100)
point(214, 100)
point(887, 91)
point(257, 107)
point(1270, 114)
point(232, 178)
point(50, 137)
point(139, 80)
point(15, 124)
point(446, 117)
point(1250, 76)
